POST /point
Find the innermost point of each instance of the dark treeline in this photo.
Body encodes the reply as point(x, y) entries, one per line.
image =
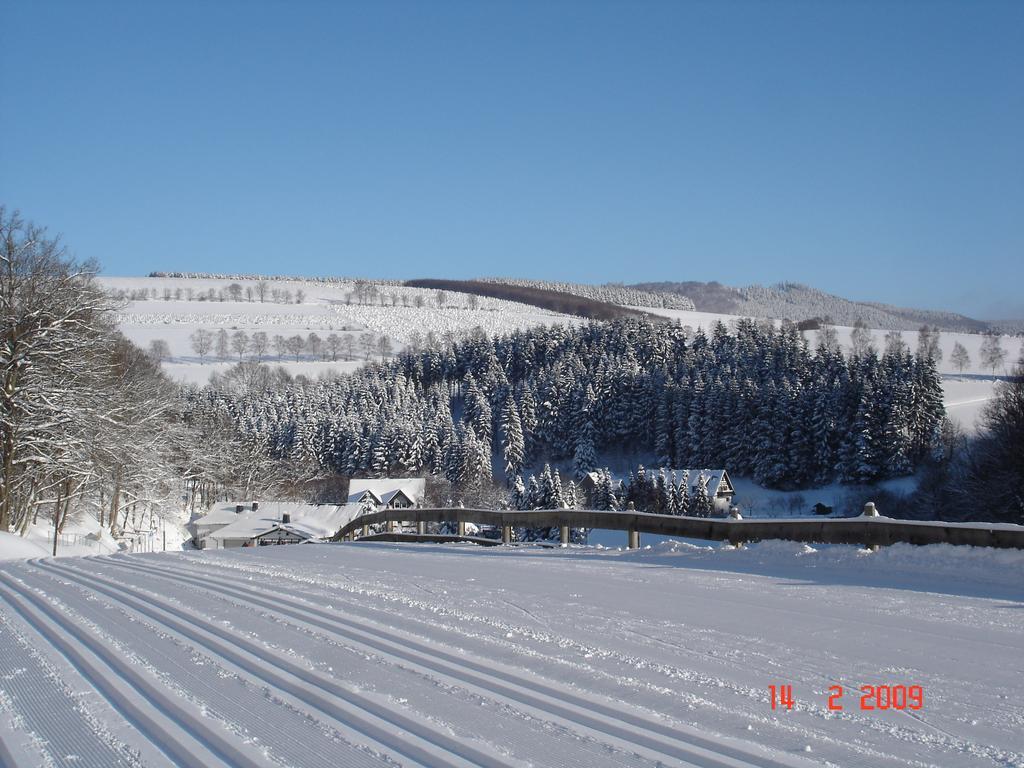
point(758, 401)
point(556, 301)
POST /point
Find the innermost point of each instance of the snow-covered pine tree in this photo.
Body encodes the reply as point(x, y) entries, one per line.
point(701, 506)
point(513, 446)
point(533, 499)
point(572, 496)
point(517, 497)
point(683, 501)
point(585, 457)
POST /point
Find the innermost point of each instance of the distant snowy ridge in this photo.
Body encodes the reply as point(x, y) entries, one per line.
point(794, 301)
point(611, 293)
point(281, 278)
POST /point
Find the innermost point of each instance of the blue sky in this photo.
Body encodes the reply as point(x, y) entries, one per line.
point(875, 150)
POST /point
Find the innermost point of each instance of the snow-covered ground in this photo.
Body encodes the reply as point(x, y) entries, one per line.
point(84, 536)
point(325, 309)
point(368, 654)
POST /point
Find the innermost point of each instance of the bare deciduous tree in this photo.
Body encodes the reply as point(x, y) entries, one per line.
point(280, 345)
point(959, 357)
point(368, 343)
point(240, 343)
point(259, 344)
point(928, 338)
point(860, 339)
point(894, 343)
point(992, 352)
point(295, 345)
point(333, 344)
point(202, 343)
point(223, 344)
point(314, 344)
point(159, 350)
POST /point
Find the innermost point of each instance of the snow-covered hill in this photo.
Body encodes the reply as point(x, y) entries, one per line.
point(171, 309)
point(612, 293)
point(364, 654)
point(406, 315)
point(793, 301)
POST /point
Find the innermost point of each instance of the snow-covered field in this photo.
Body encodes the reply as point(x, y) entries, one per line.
point(325, 309)
point(369, 654)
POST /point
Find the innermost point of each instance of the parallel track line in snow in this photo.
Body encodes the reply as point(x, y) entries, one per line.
point(576, 711)
point(6, 758)
point(243, 705)
point(401, 734)
point(163, 722)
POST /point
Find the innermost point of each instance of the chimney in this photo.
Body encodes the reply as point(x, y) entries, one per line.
point(286, 518)
point(239, 508)
point(255, 506)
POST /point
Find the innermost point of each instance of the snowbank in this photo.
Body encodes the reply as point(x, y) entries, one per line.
point(14, 547)
point(79, 538)
point(935, 567)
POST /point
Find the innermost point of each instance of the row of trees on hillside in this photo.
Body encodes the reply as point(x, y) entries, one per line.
point(240, 345)
point(260, 291)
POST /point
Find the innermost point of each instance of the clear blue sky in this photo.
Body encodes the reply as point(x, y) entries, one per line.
point(875, 150)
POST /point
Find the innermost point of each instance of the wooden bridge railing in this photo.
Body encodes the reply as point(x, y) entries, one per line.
point(866, 531)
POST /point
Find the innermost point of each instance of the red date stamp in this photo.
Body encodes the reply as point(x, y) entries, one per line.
point(871, 697)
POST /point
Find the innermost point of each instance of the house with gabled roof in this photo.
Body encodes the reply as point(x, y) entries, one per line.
point(251, 524)
point(718, 486)
point(387, 492)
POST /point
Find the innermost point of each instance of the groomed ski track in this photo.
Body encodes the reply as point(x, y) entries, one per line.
point(246, 661)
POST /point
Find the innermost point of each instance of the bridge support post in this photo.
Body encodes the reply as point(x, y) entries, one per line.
point(462, 527)
point(506, 534)
point(634, 539)
point(563, 535)
point(421, 527)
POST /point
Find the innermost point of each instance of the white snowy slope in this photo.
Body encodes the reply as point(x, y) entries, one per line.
point(376, 654)
point(326, 308)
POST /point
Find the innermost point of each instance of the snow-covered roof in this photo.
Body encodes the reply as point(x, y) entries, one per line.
point(385, 488)
point(713, 480)
point(222, 514)
point(326, 520)
point(293, 528)
point(247, 526)
point(316, 520)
